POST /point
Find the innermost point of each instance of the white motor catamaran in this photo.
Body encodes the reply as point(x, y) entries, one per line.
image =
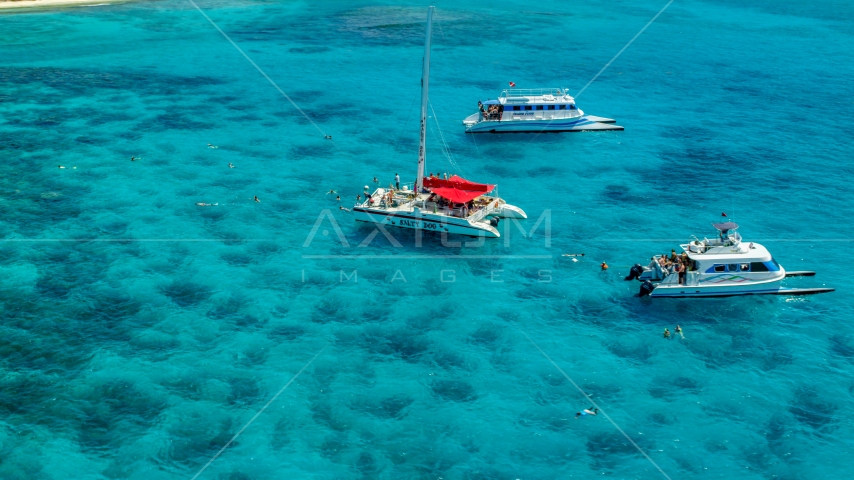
point(720, 267)
point(453, 205)
point(534, 110)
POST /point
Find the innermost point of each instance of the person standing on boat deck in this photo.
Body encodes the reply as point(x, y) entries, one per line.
point(680, 269)
point(686, 262)
point(673, 256)
point(397, 181)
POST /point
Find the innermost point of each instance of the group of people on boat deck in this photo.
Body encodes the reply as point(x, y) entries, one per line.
point(493, 112)
point(454, 209)
point(385, 201)
point(674, 263)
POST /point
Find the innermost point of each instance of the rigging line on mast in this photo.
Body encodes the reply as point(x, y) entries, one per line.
point(444, 143)
point(476, 148)
point(451, 161)
point(436, 140)
point(439, 22)
point(405, 123)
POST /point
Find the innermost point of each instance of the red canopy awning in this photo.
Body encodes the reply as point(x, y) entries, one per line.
point(457, 189)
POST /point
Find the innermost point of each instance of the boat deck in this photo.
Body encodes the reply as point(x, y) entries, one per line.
point(427, 205)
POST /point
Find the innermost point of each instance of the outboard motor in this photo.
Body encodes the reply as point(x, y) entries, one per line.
point(635, 272)
point(646, 288)
point(494, 221)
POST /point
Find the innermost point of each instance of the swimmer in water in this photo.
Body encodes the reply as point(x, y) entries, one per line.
point(132, 159)
point(679, 331)
point(212, 146)
point(328, 137)
point(201, 204)
point(667, 333)
point(604, 266)
point(256, 199)
point(572, 255)
point(375, 180)
point(345, 209)
point(61, 166)
point(338, 197)
point(230, 165)
point(587, 411)
point(331, 192)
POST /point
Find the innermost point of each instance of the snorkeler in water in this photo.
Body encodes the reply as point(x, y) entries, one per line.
point(587, 411)
point(666, 333)
point(679, 331)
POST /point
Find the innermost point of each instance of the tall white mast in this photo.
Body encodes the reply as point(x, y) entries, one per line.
point(425, 87)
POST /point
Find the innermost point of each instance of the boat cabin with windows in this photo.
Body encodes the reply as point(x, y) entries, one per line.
point(543, 109)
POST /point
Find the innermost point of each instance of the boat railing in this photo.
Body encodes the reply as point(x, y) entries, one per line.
point(484, 211)
point(692, 278)
point(532, 92)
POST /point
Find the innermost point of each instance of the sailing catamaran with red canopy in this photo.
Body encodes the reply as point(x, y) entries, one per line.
point(453, 205)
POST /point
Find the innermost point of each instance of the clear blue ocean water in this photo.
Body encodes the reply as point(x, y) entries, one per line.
point(139, 332)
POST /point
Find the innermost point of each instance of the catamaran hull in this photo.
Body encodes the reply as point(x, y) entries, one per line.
point(510, 211)
point(455, 226)
point(684, 291)
point(585, 123)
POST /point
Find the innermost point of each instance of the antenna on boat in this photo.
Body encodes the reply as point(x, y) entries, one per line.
point(425, 87)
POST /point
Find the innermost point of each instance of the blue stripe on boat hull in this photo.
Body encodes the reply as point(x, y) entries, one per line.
point(528, 126)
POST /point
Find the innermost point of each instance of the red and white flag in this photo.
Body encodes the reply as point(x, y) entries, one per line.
point(512, 84)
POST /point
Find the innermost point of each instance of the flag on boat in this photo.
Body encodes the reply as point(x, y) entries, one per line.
point(512, 84)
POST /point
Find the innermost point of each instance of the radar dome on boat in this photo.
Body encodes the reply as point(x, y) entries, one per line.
point(725, 226)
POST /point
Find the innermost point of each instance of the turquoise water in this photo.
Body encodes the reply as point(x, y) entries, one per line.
point(139, 332)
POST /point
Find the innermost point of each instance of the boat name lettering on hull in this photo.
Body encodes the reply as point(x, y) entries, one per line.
point(419, 224)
